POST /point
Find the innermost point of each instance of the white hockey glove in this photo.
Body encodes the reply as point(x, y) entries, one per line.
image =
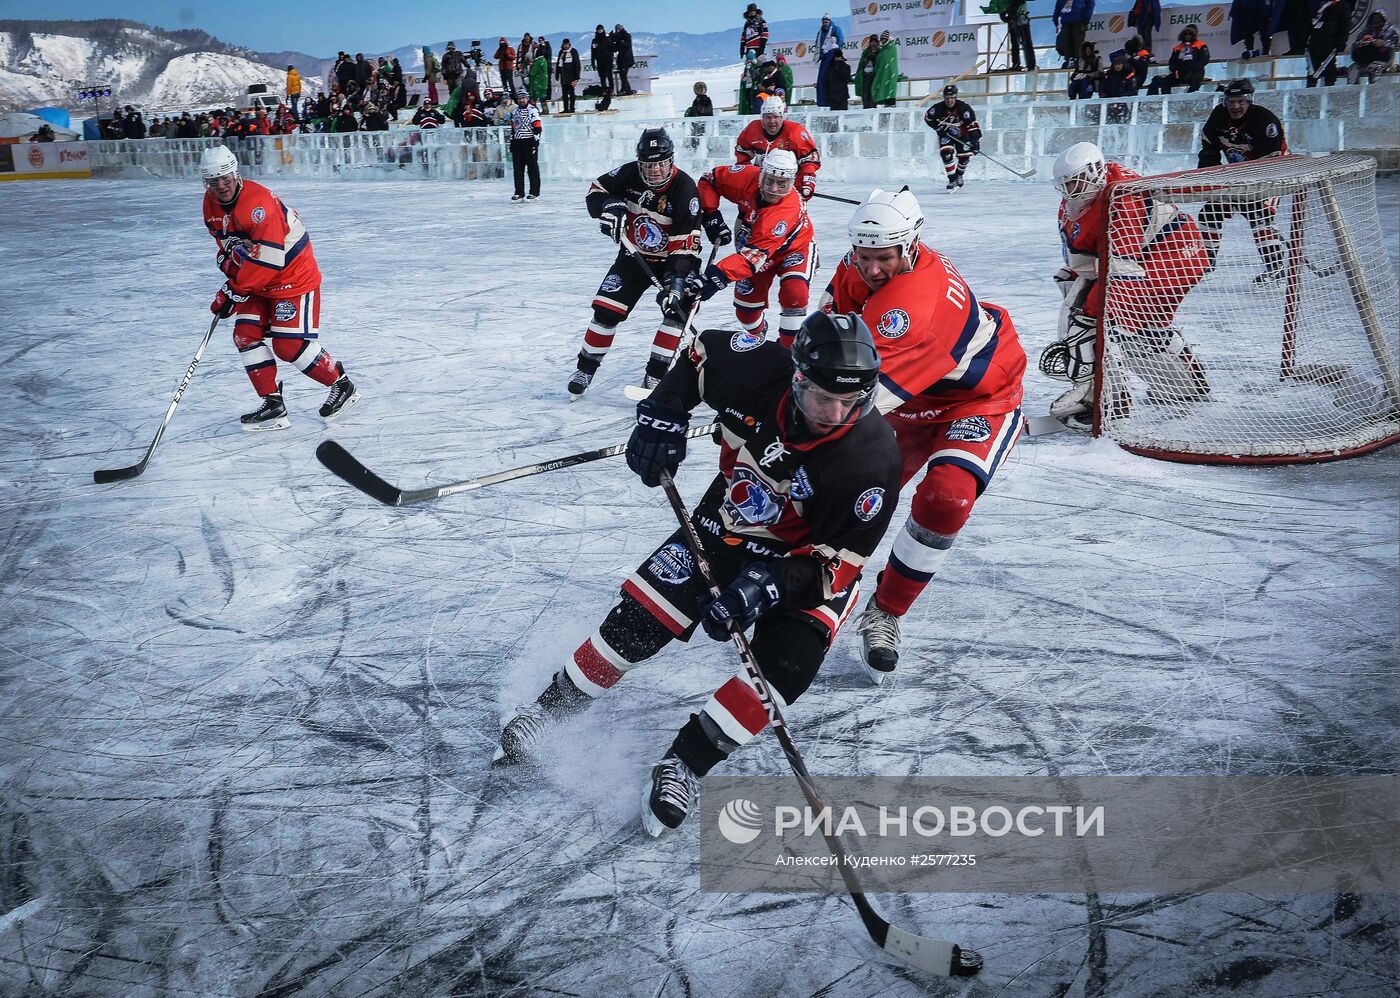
point(1072, 358)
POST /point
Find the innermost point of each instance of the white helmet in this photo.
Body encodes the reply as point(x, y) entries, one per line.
point(778, 173)
point(773, 105)
point(216, 162)
point(887, 218)
point(1080, 172)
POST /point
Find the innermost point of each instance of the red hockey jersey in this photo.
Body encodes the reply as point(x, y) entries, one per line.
point(263, 248)
point(753, 143)
point(767, 232)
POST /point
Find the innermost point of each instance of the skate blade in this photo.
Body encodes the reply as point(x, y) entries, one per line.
point(281, 423)
point(650, 822)
point(876, 676)
point(354, 398)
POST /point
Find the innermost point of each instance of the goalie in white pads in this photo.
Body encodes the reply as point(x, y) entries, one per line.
point(1155, 257)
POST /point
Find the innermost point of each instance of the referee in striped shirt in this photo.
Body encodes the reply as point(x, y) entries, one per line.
point(525, 127)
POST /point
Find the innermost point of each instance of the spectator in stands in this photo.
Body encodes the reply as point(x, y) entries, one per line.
point(525, 55)
point(156, 129)
point(539, 82)
point(601, 55)
point(452, 65)
point(1247, 19)
point(753, 37)
point(504, 107)
point(1327, 41)
point(428, 115)
point(543, 48)
point(1119, 80)
point(505, 65)
point(1071, 19)
point(345, 121)
point(750, 81)
point(1374, 48)
point(1084, 80)
point(785, 69)
point(865, 71)
point(395, 71)
point(294, 90)
point(344, 71)
point(886, 83)
point(771, 82)
point(701, 106)
point(1295, 17)
point(1187, 66)
point(44, 134)
point(1140, 57)
point(133, 126)
point(375, 119)
point(1146, 17)
point(363, 72)
point(838, 82)
point(621, 42)
point(827, 43)
point(1018, 34)
point(568, 69)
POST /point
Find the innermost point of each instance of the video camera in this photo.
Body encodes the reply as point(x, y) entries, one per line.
point(474, 53)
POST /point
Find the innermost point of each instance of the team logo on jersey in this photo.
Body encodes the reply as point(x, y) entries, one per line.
point(695, 206)
point(744, 287)
point(750, 500)
point(792, 260)
point(647, 235)
point(611, 283)
point(673, 564)
point(893, 324)
point(780, 230)
point(258, 215)
point(869, 503)
point(736, 168)
point(801, 489)
point(772, 454)
point(285, 311)
point(745, 340)
point(973, 429)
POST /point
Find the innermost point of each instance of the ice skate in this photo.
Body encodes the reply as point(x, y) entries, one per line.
point(271, 415)
point(879, 635)
point(343, 395)
point(583, 376)
point(521, 736)
point(669, 796)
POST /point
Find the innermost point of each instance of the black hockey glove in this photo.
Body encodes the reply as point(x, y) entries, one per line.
point(704, 285)
point(657, 443)
point(676, 304)
point(612, 220)
point(225, 300)
point(715, 228)
point(754, 591)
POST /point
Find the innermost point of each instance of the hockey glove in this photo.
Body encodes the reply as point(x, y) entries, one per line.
point(754, 591)
point(807, 186)
point(704, 286)
point(225, 301)
point(657, 443)
point(716, 230)
point(1064, 280)
point(613, 219)
point(675, 303)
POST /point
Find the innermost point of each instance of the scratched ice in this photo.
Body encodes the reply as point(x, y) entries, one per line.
point(246, 712)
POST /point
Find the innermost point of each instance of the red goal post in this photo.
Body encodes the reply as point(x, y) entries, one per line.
point(1251, 314)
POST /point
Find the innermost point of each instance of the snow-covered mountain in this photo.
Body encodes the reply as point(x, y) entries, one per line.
point(46, 62)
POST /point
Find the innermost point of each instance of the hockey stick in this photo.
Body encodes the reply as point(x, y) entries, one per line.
point(1024, 176)
point(833, 197)
point(103, 476)
point(933, 956)
point(635, 392)
point(345, 465)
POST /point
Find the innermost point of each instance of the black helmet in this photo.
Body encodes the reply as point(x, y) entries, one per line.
point(950, 91)
point(835, 354)
point(656, 155)
point(1243, 87)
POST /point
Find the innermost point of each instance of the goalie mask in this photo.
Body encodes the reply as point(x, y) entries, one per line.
point(777, 175)
point(1080, 172)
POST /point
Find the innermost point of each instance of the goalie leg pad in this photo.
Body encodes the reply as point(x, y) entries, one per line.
point(1164, 359)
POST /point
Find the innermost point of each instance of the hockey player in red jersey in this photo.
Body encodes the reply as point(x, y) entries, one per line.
point(771, 130)
point(950, 386)
point(807, 484)
point(272, 290)
point(1155, 255)
point(774, 243)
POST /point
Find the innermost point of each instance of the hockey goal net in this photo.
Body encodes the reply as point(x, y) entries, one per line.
point(1251, 314)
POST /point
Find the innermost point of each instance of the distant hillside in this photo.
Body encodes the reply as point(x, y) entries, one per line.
point(45, 62)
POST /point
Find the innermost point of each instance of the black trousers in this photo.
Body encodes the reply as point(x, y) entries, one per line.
point(525, 155)
point(570, 98)
point(622, 79)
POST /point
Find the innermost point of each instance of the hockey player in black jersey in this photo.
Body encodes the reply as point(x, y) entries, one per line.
point(652, 208)
point(809, 478)
point(959, 134)
point(1238, 131)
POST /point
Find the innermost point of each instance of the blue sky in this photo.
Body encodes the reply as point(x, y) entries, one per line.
point(320, 27)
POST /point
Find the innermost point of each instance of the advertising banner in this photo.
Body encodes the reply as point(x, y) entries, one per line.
point(44, 161)
point(901, 15)
point(928, 53)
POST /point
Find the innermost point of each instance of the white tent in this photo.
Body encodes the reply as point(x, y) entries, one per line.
point(18, 125)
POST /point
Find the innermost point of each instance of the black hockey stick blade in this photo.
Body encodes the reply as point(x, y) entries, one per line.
point(104, 475)
point(345, 465)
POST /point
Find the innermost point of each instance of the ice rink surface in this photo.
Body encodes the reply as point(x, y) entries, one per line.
point(246, 713)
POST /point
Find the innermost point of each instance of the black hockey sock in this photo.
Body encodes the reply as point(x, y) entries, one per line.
point(588, 362)
point(561, 697)
point(695, 745)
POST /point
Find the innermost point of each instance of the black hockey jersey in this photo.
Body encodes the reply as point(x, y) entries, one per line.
point(959, 121)
point(1256, 135)
point(819, 505)
point(663, 223)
